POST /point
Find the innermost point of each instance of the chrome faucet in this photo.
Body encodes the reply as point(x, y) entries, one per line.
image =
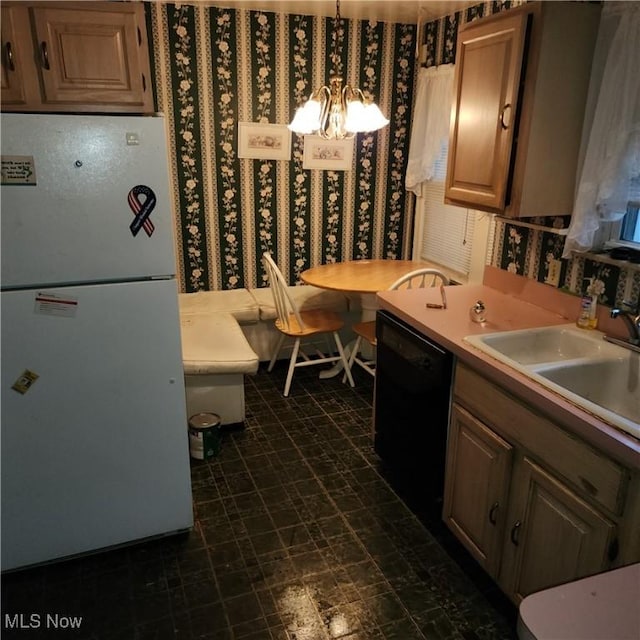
point(632, 320)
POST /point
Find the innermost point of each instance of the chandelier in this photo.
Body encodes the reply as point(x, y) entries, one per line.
point(334, 111)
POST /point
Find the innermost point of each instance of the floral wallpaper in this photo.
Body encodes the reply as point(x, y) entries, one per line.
point(515, 240)
point(529, 252)
point(216, 67)
point(524, 250)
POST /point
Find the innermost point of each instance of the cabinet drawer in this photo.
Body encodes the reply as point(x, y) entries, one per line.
point(593, 474)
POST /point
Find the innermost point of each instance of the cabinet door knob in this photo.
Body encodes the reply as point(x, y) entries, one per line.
point(492, 513)
point(45, 55)
point(503, 124)
point(9, 51)
point(514, 532)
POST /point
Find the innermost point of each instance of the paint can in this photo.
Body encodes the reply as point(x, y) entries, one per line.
point(204, 436)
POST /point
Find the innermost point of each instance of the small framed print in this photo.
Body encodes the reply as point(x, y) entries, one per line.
point(327, 154)
point(264, 141)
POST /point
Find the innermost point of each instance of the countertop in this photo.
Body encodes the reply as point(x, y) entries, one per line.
point(505, 312)
point(600, 607)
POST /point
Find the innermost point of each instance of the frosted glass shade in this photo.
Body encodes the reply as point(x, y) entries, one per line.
point(373, 118)
point(307, 118)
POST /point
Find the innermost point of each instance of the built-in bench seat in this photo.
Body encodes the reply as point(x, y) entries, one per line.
point(255, 311)
point(225, 334)
point(215, 357)
point(238, 302)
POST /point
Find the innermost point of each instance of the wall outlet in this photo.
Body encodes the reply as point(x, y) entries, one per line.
point(553, 277)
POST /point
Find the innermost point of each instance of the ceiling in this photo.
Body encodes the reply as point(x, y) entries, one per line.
point(404, 11)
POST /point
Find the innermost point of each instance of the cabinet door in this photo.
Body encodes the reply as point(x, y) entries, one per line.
point(476, 487)
point(554, 535)
point(19, 83)
point(94, 56)
point(488, 68)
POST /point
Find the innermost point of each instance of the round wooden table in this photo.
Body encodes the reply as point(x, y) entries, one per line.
point(362, 277)
point(359, 276)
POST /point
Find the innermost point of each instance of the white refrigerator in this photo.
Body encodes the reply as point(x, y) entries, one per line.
point(94, 439)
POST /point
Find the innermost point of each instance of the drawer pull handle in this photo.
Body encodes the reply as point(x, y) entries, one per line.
point(492, 513)
point(45, 56)
point(514, 532)
point(9, 51)
point(502, 122)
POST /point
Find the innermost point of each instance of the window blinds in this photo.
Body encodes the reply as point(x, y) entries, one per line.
point(447, 231)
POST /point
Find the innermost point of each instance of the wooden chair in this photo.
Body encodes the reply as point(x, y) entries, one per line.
point(299, 325)
point(420, 278)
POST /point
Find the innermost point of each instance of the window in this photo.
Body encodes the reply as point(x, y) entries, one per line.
point(631, 224)
point(630, 227)
point(452, 237)
point(625, 232)
point(604, 206)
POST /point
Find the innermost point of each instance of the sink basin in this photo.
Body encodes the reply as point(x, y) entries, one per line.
point(598, 376)
point(613, 385)
point(547, 344)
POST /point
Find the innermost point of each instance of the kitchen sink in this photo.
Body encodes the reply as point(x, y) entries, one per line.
point(613, 384)
point(598, 376)
point(547, 344)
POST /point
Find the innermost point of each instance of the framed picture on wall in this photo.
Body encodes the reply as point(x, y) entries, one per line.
point(264, 141)
point(327, 154)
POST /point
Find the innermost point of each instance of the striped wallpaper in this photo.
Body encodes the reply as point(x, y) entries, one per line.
point(216, 67)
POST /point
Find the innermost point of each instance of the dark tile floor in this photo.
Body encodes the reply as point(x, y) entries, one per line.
point(298, 536)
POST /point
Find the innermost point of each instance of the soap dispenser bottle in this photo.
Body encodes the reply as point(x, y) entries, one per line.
point(588, 307)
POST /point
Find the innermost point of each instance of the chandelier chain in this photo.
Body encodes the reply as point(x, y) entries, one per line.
point(336, 27)
point(335, 111)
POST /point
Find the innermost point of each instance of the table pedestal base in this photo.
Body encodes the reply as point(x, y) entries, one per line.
point(369, 307)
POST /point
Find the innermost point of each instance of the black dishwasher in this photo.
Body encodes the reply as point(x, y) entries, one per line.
point(411, 407)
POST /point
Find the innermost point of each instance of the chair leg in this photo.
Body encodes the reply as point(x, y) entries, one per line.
point(345, 363)
point(292, 366)
point(352, 357)
point(276, 352)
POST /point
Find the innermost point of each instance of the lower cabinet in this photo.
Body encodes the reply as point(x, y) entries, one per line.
point(534, 506)
point(553, 535)
point(477, 476)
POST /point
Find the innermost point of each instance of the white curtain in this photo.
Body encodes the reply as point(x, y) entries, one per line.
point(612, 156)
point(430, 126)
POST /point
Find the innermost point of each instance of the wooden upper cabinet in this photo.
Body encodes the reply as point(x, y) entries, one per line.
point(489, 62)
point(79, 57)
point(521, 85)
point(19, 88)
